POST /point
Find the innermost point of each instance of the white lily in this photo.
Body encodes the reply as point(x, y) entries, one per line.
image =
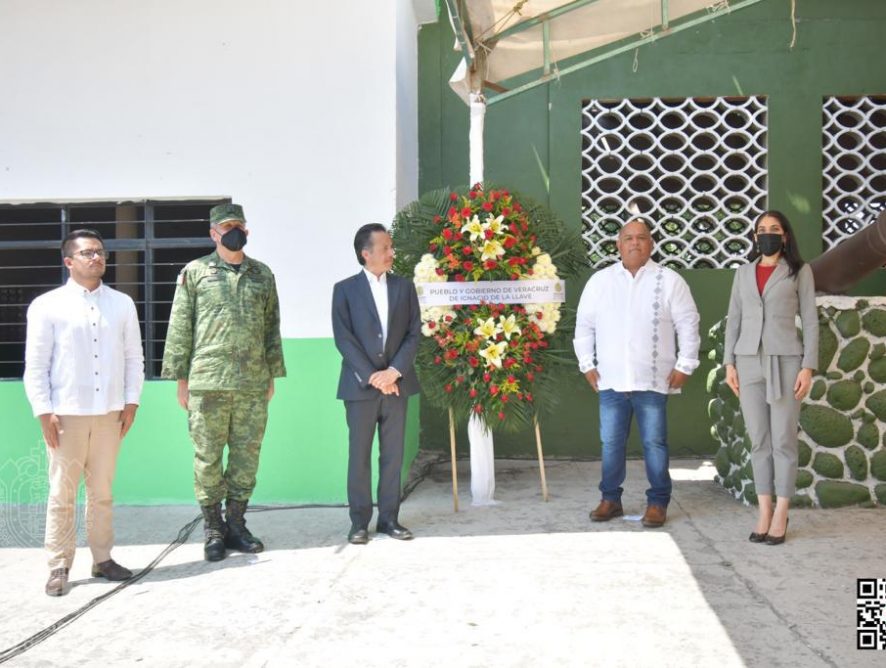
point(493, 353)
point(487, 329)
point(474, 228)
point(492, 250)
point(494, 224)
point(508, 326)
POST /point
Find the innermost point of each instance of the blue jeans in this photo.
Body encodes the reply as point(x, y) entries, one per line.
point(616, 410)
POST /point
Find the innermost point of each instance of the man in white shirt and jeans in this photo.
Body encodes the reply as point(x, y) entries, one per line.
point(84, 371)
point(636, 339)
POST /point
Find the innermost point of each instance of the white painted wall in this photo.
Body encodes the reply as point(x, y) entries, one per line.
point(298, 110)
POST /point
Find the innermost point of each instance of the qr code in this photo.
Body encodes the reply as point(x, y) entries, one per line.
point(871, 608)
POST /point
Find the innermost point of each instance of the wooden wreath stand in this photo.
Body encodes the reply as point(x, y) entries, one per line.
point(541, 461)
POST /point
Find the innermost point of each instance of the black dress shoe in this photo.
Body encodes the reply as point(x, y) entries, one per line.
point(758, 537)
point(778, 540)
point(395, 530)
point(358, 536)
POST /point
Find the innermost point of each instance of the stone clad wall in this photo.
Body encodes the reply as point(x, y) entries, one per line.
point(842, 422)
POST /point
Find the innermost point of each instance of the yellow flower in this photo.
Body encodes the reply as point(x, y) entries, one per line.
point(493, 353)
point(491, 250)
point(508, 326)
point(493, 224)
point(474, 228)
point(487, 329)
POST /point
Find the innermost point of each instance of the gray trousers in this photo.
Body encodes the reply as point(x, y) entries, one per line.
point(771, 422)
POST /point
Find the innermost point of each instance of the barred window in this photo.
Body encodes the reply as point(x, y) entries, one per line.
point(695, 168)
point(149, 241)
point(853, 165)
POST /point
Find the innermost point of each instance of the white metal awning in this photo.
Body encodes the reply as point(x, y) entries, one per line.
point(503, 39)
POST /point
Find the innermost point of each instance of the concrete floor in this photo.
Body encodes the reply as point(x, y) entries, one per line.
point(522, 583)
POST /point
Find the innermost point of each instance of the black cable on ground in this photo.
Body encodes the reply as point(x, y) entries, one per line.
point(183, 535)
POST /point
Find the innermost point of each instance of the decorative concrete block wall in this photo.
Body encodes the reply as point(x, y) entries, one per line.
point(842, 421)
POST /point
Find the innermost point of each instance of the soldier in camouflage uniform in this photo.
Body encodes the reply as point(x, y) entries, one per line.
point(223, 347)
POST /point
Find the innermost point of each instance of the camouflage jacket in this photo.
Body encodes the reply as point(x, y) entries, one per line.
point(224, 329)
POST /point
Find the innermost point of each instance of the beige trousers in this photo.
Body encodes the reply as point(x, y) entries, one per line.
point(88, 447)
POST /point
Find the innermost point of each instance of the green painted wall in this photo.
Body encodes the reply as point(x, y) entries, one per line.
point(304, 455)
point(535, 136)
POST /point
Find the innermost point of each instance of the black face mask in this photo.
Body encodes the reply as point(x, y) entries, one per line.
point(770, 244)
point(234, 239)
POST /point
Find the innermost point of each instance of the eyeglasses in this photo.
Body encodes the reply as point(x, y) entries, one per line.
point(91, 254)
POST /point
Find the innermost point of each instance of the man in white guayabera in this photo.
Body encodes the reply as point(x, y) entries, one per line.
point(84, 371)
point(636, 339)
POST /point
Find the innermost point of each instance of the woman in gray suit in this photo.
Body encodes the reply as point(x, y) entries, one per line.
point(769, 365)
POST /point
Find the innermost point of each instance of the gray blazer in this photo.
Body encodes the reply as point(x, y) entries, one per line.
point(358, 336)
point(770, 319)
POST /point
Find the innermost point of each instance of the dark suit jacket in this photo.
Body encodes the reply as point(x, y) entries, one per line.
point(770, 319)
point(358, 336)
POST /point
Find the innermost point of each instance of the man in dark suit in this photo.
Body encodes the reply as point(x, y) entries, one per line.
point(376, 324)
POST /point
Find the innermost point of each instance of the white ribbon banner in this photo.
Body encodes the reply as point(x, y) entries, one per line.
point(492, 292)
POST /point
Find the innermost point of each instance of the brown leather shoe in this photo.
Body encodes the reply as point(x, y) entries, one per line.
point(654, 516)
point(606, 511)
point(57, 584)
point(111, 570)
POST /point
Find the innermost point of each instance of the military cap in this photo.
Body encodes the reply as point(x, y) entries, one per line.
point(222, 212)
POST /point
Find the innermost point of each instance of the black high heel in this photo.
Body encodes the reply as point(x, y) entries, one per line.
point(758, 537)
point(778, 540)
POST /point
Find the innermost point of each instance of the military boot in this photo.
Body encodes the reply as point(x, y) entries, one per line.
point(238, 537)
point(214, 530)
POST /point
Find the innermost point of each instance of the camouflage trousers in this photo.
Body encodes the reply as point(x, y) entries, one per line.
point(235, 419)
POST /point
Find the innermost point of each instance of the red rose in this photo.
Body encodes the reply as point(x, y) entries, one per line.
point(490, 265)
point(453, 197)
point(438, 360)
point(472, 307)
point(488, 234)
point(539, 315)
point(487, 206)
point(528, 396)
point(517, 207)
point(466, 212)
point(459, 278)
point(486, 377)
point(459, 236)
point(439, 271)
point(493, 390)
point(432, 247)
point(447, 387)
point(473, 361)
point(451, 354)
point(515, 277)
point(494, 195)
point(473, 393)
point(437, 218)
point(447, 233)
point(447, 250)
point(510, 242)
point(452, 212)
point(511, 379)
point(506, 211)
point(514, 343)
point(472, 194)
point(459, 379)
point(431, 324)
point(447, 318)
point(468, 265)
point(501, 415)
point(504, 398)
point(478, 408)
